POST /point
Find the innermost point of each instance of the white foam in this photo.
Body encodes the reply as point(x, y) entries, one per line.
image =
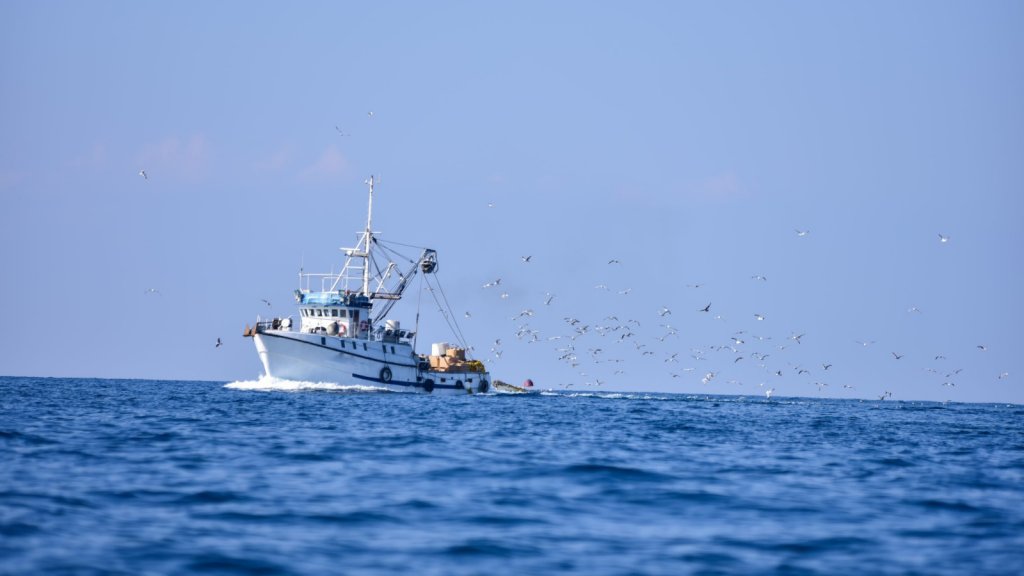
point(271, 384)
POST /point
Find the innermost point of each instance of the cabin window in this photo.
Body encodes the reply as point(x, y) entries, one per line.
point(334, 312)
point(392, 349)
point(319, 312)
point(323, 341)
point(364, 346)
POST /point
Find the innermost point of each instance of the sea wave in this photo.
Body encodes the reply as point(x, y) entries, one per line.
point(267, 383)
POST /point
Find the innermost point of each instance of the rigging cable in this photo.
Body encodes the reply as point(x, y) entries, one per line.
point(449, 315)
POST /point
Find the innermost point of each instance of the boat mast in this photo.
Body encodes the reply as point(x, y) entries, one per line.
point(368, 239)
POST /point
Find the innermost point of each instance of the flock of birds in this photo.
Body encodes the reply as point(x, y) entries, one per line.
point(602, 351)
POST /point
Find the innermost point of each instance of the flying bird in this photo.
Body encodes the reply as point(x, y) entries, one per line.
point(152, 291)
point(614, 261)
point(265, 301)
point(802, 233)
point(219, 343)
point(943, 239)
point(706, 308)
point(143, 174)
point(898, 356)
point(526, 259)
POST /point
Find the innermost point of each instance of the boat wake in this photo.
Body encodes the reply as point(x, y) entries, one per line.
point(272, 384)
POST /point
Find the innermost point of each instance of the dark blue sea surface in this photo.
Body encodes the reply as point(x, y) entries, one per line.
point(150, 477)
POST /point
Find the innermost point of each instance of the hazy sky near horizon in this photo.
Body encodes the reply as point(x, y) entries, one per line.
point(689, 141)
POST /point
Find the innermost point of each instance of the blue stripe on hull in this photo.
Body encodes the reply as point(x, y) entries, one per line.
point(413, 384)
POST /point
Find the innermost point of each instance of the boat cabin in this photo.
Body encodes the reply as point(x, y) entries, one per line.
point(345, 315)
point(334, 314)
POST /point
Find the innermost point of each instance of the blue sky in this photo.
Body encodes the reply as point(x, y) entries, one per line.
point(688, 141)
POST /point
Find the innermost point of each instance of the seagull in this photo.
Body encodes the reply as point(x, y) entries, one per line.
point(370, 113)
point(265, 301)
point(219, 343)
point(1003, 375)
point(152, 291)
point(504, 295)
point(490, 284)
point(898, 356)
point(526, 259)
point(339, 131)
point(796, 337)
point(914, 309)
point(468, 315)
point(143, 174)
point(694, 285)
point(664, 311)
point(802, 233)
point(759, 277)
point(706, 308)
point(865, 343)
point(943, 239)
point(758, 317)
point(768, 393)
point(614, 261)
point(547, 301)
point(826, 366)
point(982, 347)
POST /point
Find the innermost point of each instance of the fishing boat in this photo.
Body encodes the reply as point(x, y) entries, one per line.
point(344, 336)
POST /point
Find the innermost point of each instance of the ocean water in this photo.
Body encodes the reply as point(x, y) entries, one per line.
point(151, 477)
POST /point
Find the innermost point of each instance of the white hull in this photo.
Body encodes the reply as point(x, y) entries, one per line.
point(357, 362)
